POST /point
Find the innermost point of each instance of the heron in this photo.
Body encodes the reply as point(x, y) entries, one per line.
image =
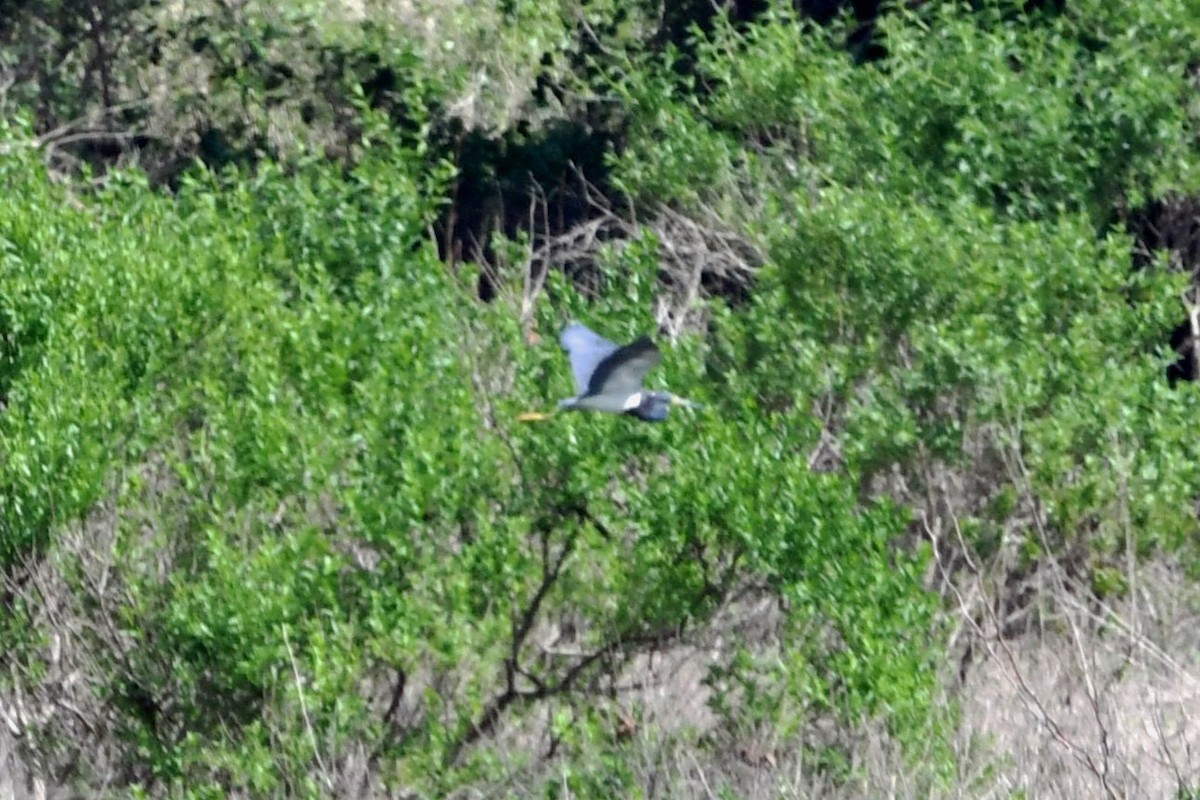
point(609, 377)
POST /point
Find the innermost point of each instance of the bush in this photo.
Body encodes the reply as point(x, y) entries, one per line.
point(939, 222)
point(332, 558)
point(339, 492)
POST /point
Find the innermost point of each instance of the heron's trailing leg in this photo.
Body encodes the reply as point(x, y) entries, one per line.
point(535, 416)
point(683, 402)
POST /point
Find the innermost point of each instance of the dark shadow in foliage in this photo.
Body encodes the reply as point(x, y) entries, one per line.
point(1048, 6)
point(525, 179)
point(1184, 367)
point(500, 177)
point(863, 41)
point(1171, 223)
point(538, 178)
point(221, 147)
point(681, 19)
point(387, 83)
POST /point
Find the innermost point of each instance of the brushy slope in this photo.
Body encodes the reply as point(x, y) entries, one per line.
point(269, 527)
point(294, 412)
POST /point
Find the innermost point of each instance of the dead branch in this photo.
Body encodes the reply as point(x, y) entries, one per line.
point(694, 253)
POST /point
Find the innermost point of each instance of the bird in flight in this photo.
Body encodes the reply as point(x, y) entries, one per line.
point(609, 378)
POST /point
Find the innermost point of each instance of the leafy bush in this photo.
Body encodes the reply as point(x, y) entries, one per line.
point(339, 492)
point(939, 226)
point(945, 288)
point(332, 549)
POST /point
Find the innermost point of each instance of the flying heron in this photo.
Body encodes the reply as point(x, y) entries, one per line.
point(609, 378)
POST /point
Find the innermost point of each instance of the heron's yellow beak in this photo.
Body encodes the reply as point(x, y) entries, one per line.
point(533, 416)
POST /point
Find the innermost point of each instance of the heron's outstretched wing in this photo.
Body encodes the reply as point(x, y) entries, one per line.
point(586, 349)
point(622, 373)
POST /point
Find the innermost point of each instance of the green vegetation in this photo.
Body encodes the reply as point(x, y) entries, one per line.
point(266, 519)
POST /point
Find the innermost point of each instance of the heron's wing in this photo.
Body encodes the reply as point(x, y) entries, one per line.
point(622, 373)
point(586, 349)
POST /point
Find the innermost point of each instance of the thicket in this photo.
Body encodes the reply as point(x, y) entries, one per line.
point(269, 527)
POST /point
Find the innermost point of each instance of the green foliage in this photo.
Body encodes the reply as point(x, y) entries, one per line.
point(319, 486)
point(944, 281)
point(938, 227)
point(1027, 115)
point(303, 419)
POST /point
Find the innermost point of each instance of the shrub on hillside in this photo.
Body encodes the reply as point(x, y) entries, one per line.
point(330, 538)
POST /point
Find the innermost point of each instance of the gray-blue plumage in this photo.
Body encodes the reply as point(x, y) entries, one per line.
point(609, 377)
point(585, 349)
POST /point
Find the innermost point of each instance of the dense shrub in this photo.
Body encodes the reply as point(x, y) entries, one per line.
point(267, 437)
point(940, 223)
point(318, 480)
